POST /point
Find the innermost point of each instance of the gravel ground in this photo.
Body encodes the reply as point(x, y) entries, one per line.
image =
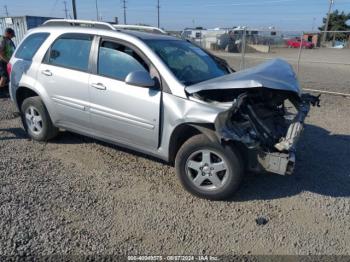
point(75, 195)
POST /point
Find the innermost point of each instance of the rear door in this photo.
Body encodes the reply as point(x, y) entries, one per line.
point(65, 76)
point(121, 112)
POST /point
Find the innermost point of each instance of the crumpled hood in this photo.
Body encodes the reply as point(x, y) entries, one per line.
point(274, 74)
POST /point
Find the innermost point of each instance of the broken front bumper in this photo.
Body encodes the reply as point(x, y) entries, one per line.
point(278, 163)
point(283, 161)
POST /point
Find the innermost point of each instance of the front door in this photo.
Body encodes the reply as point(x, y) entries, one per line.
point(120, 112)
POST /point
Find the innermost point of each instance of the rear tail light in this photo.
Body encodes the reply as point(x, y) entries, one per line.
point(9, 69)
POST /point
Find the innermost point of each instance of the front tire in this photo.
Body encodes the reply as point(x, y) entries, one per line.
point(36, 120)
point(208, 169)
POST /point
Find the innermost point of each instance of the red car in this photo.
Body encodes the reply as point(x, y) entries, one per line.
point(296, 43)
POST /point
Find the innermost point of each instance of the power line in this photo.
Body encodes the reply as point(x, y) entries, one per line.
point(6, 11)
point(53, 8)
point(313, 24)
point(65, 9)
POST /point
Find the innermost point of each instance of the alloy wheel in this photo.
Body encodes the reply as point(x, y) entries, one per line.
point(34, 120)
point(207, 170)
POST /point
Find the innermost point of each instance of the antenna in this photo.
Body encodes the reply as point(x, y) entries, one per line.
point(65, 9)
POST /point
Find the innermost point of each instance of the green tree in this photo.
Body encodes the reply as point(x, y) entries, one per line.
point(337, 22)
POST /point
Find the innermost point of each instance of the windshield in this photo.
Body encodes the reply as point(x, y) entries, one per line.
point(189, 63)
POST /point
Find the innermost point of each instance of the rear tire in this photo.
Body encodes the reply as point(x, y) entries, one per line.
point(36, 120)
point(208, 169)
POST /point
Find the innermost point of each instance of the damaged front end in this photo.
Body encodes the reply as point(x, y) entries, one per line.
point(269, 123)
point(267, 114)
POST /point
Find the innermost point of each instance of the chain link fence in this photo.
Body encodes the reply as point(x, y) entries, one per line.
point(320, 65)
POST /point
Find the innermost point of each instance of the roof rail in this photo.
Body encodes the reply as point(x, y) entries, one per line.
point(81, 23)
point(140, 28)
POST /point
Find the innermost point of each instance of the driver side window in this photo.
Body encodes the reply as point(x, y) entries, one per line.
point(117, 61)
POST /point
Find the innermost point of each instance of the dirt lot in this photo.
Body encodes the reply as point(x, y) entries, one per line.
point(79, 196)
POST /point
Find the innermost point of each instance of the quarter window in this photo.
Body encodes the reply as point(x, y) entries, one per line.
point(71, 51)
point(117, 61)
point(31, 45)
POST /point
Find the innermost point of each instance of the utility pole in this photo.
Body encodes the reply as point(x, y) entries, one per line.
point(158, 7)
point(6, 11)
point(97, 14)
point(124, 7)
point(331, 2)
point(74, 9)
point(65, 9)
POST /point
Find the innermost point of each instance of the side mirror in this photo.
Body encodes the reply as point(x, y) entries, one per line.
point(140, 78)
point(54, 54)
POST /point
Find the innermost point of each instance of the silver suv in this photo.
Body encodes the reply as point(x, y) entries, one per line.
point(161, 96)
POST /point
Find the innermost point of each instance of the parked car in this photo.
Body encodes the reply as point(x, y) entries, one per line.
point(297, 43)
point(162, 96)
point(339, 45)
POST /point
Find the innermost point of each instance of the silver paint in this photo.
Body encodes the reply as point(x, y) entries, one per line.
point(275, 74)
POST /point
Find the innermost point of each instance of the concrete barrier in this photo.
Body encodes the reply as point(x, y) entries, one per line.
point(260, 48)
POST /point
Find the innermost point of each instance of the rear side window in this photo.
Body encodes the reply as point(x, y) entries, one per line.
point(31, 45)
point(71, 51)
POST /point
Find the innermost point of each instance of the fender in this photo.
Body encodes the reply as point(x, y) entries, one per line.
point(40, 90)
point(179, 111)
point(205, 130)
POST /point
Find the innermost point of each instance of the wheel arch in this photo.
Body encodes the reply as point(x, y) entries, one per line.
point(23, 92)
point(185, 131)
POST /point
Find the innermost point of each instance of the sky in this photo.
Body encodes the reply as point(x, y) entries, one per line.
point(179, 14)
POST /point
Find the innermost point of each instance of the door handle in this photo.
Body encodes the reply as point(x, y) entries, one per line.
point(46, 72)
point(99, 86)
